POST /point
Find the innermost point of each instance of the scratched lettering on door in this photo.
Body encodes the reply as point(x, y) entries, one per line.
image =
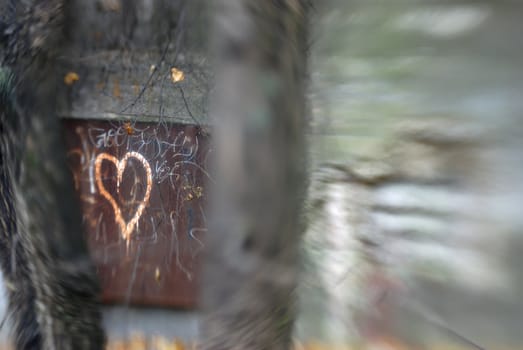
point(142, 188)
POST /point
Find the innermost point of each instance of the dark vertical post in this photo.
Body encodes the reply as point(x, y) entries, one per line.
point(260, 158)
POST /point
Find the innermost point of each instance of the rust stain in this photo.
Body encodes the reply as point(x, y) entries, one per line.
point(128, 128)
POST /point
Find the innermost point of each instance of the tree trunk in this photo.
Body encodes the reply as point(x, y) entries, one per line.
point(52, 284)
point(259, 118)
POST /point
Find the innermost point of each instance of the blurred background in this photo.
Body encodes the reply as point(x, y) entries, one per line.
point(415, 205)
point(415, 220)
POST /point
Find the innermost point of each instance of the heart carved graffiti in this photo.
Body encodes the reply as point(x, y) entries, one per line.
point(126, 228)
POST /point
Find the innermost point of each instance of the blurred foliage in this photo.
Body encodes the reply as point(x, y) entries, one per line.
point(416, 139)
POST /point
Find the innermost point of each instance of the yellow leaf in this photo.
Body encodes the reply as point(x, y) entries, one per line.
point(71, 78)
point(177, 75)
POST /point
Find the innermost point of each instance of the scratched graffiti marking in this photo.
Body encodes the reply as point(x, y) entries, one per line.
point(142, 189)
point(126, 228)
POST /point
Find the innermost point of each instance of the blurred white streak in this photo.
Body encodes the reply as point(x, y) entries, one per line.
point(443, 22)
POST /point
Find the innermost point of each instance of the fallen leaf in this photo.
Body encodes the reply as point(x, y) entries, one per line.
point(71, 78)
point(177, 75)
